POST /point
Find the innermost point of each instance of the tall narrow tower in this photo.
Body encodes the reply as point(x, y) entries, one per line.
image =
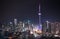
point(39, 14)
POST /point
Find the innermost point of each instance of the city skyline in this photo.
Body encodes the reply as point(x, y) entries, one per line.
point(29, 19)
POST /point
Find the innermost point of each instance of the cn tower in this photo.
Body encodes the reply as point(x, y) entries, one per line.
point(39, 14)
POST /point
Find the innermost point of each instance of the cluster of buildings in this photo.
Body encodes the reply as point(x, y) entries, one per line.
point(51, 27)
point(17, 26)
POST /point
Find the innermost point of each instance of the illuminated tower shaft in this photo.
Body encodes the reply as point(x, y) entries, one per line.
point(39, 16)
point(40, 25)
point(39, 19)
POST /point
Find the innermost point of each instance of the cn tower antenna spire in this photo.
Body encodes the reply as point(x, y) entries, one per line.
point(39, 8)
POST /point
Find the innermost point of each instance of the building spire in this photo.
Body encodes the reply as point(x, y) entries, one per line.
point(39, 8)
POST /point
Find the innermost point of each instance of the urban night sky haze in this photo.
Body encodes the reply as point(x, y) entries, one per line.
point(28, 9)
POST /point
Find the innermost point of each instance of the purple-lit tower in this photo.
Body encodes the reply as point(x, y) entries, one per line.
point(39, 14)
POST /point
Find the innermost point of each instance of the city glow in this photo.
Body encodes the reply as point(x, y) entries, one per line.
point(57, 32)
point(31, 32)
point(37, 30)
point(56, 35)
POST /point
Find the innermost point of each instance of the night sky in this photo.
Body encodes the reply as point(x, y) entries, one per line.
point(28, 9)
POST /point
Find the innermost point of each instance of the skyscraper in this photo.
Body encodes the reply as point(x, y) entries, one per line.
point(44, 27)
point(11, 26)
point(15, 25)
point(52, 28)
point(15, 21)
